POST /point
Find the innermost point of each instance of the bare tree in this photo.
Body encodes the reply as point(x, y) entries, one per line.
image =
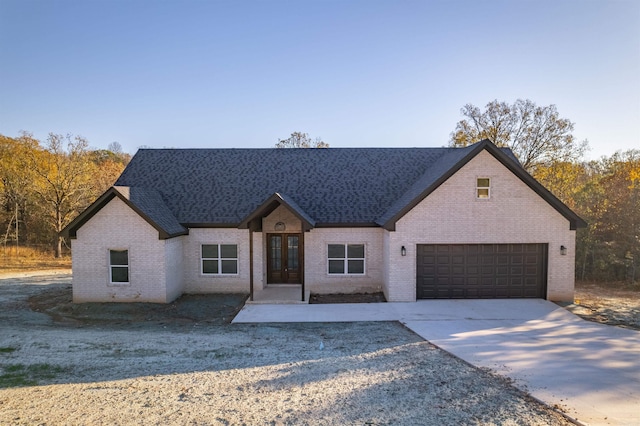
point(301, 140)
point(536, 135)
point(64, 179)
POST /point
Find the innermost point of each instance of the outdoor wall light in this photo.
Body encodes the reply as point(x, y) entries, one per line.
point(563, 250)
point(403, 251)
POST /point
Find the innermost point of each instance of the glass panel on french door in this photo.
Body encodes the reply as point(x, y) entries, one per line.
point(275, 245)
point(292, 252)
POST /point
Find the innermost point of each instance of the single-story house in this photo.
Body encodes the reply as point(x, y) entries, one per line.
point(412, 222)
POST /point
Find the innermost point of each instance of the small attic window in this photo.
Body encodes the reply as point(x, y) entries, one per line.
point(483, 187)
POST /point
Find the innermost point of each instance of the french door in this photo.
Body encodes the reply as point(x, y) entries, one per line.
point(284, 259)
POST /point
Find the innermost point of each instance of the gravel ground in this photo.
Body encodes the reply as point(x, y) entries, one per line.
point(608, 303)
point(202, 371)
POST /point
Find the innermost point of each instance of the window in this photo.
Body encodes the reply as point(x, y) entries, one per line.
point(483, 186)
point(119, 266)
point(346, 259)
point(219, 259)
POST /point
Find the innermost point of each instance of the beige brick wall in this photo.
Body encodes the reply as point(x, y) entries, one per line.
point(284, 215)
point(160, 270)
point(317, 278)
point(195, 281)
point(452, 214)
point(174, 267)
point(116, 226)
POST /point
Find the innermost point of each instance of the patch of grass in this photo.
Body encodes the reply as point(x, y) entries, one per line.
point(7, 349)
point(15, 375)
point(30, 259)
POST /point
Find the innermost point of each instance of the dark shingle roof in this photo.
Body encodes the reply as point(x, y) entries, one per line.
point(150, 204)
point(331, 186)
point(174, 189)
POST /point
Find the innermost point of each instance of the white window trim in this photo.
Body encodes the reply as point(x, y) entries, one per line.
point(346, 259)
point(128, 266)
point(488, 188)
point(219, 259)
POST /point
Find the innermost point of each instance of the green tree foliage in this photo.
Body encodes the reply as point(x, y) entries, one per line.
point(609, 249)
point(538, 136)
point(301, 140)
point(605, 193)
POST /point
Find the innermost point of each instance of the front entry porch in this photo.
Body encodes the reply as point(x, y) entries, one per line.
point(279, 294)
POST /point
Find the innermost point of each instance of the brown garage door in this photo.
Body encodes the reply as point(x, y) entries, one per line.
point(481, 271)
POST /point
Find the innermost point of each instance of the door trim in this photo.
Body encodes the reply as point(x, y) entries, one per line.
point(283, 273)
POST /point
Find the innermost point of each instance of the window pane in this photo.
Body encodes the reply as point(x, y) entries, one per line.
point(229, 251)
point(119, 257)
point(276, 252)
point(483, 182)
point(292, 252)
point(119, 275)
point(229, 266)
point(355, 251)
point(483, 193)
point(336, 251)
point(209, 266)
point(356, 266)
point(292, 258)
point(209, 250)
point(276, 241)
point(336, 267)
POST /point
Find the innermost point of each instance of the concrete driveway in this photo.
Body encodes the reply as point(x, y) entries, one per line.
point(590, 371)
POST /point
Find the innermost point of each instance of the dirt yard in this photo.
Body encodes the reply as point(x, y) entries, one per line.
point(615, 304)
point(183, 363)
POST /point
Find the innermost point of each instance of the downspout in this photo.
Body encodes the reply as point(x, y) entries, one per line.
point(302, 266)
point(250, 263)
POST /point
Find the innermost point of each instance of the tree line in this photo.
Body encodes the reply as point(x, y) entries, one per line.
point(44, 185)
point(604, 192)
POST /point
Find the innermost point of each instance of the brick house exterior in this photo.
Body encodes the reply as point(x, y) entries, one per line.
point(411, 222)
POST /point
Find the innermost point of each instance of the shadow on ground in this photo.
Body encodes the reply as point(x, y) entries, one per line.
point(212, 309)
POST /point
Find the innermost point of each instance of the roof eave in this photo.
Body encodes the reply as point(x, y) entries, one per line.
point(268, 206)
point(162, 233)
point(70, 231)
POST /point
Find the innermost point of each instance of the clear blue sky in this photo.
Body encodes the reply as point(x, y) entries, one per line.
point(355, 73)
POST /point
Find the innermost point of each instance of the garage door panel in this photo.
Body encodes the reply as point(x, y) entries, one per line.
point(442, 270)
point(457, 270)
point(502, 270)
point(481, 270)
point(502, 282)
point(486, 270)
point(487, 259)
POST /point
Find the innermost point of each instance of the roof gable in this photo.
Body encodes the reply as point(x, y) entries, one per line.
point(454, 161)
point(146, 202)
point(270, 205)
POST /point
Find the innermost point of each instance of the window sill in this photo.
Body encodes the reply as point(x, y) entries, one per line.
point(218, 275)
point(348, 275)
